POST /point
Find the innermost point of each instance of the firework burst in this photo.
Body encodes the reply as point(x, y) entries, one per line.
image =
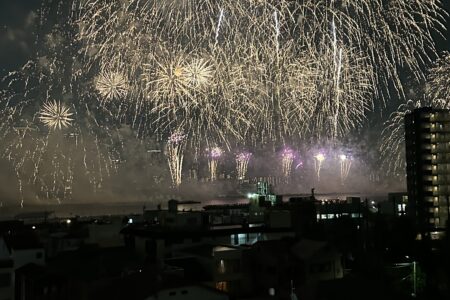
point(55, 115)
point(169, 80)
point(438, 82)
point(299, 68)
point(199, 74)
point(111, 85)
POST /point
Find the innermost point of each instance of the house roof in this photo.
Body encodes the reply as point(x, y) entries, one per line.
point(141, 230)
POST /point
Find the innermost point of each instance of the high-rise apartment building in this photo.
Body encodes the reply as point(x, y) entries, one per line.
point(427, 136)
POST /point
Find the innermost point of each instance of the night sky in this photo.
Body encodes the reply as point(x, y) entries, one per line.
point(18, 20)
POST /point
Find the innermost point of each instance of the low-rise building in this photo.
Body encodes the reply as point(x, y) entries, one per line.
point(188, 292)
point(17, 250)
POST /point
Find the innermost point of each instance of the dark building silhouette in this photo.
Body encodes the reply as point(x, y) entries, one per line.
point(427, 136)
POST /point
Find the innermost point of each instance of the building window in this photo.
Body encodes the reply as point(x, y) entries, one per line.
point(222, 286)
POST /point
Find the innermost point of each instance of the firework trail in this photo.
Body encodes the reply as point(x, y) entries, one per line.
point(214, 156)
point(287, 157)
point(438, 82)
point(318, 160)
point(175, 152)
point(392, 146)
point(345, 163)
point(219, 23)
point(242, 160)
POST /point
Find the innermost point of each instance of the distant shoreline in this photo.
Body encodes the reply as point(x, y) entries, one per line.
point(136, 207)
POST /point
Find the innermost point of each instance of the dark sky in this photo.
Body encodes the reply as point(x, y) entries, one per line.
point(16, 36)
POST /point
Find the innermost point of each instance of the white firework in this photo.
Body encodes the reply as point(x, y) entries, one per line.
point(55, 115)
point(167, 79)
point(287, 157)
point(346, 164)
point(199, 74)
point(214, 155)
point(242, 160)
point(318, 160)
point(175, 152)
point(111, 85)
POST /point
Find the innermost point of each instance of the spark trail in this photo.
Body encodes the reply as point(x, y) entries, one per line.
point(242, 160)
point(318, 161)
point(214, 155)
point(175, 153)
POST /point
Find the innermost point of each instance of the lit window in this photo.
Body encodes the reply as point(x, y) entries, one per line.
point(222, 286)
